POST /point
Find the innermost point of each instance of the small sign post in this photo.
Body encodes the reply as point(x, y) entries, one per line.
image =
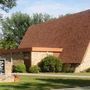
point(2, 65)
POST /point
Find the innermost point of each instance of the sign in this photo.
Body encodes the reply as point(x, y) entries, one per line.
point(2, 66)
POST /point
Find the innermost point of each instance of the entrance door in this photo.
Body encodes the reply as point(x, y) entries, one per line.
point(27, 60)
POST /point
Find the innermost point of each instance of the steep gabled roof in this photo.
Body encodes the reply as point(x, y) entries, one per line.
point(72, 33)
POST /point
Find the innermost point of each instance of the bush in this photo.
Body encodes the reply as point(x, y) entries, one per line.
point(88, 70)
point(34, 69)
point(19, 68)
point(68, 68)
point(50, 64)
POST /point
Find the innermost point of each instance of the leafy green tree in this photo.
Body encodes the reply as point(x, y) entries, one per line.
point(7, 43)
point(7, 4)
point(14, 28)
point(39, 18)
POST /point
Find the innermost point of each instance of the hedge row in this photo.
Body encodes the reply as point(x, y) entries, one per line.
point(48, 64)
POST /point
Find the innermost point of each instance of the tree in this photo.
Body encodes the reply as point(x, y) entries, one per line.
point(14, 28)
point(7, 43)
point(7, 4)
point(38, 18)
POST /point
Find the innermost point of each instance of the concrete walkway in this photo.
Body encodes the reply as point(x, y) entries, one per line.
point(53, 75)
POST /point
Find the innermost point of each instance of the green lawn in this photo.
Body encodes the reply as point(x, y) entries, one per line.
point(44, 83)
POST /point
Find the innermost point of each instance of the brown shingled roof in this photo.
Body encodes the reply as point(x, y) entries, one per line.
point(72, 33)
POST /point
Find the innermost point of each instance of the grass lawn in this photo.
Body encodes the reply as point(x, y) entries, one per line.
point(44, 83)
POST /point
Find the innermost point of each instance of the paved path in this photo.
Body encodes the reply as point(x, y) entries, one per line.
point(53, 75)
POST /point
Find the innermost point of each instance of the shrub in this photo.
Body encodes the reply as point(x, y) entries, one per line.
point(50, 64)
point(34, 69)
point(68, 68)
point(19, 68)
point(88, 70)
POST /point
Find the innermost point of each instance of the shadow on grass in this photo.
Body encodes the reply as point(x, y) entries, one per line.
point(68, 82)
point(46, 84)
point(24, 86)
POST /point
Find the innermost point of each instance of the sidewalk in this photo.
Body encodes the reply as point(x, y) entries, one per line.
point(52, 75)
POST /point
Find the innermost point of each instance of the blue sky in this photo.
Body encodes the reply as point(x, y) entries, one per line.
point(52, 7)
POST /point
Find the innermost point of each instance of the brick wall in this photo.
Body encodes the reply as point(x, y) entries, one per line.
point(8, 67)
point(36, 57)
